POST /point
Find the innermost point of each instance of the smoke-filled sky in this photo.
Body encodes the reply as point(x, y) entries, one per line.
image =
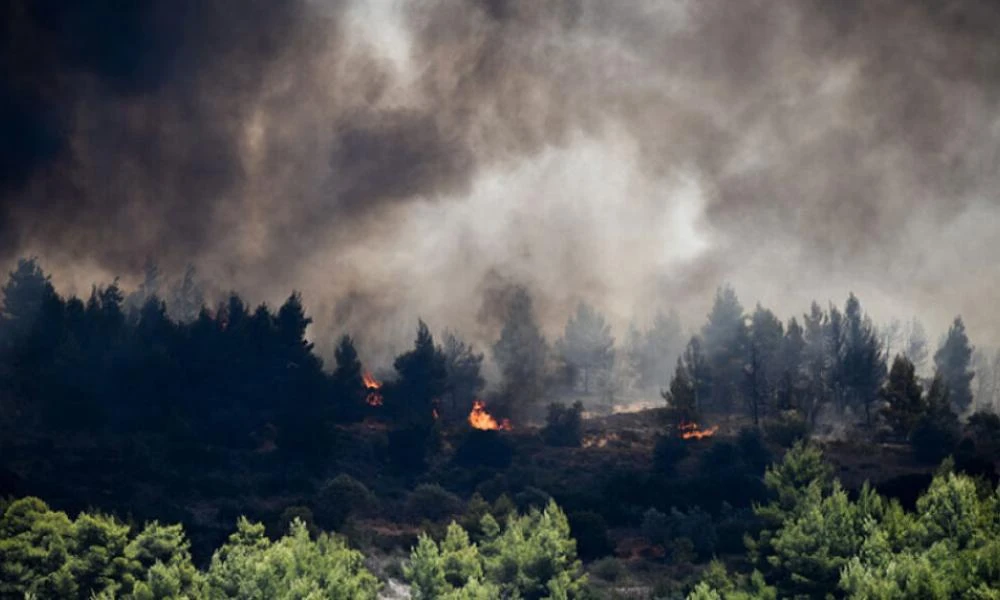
point(392, 159)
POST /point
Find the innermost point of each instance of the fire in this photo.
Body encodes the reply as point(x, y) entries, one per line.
point(374, 397)
point(691, 431)
point(480, 419)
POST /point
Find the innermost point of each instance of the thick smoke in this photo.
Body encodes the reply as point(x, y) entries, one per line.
point(398, 159)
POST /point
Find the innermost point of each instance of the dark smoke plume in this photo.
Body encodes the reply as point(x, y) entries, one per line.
point(634, 154)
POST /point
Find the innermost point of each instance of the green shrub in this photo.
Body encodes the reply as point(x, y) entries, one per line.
point(341, 497)
point(251, 567)
point(432, 502)
point(669, 451)
point(532, 557)
point(564, 425)
point(608, 569)
point(591, 533)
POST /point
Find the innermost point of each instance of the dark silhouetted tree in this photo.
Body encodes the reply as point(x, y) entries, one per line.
point(652, 354)
point(187, 297)
point(464, 380)
point(903, 397)
point(816, 362)
point(952, 362)
point(725, 342)
point(682, 396)
point(916, 344)
point(587, 347)
point(522, 354)
point(348, 382)
point(763, 368)
point(25, 292)
point(793, 384)
point(422, 381)
point(862, 362)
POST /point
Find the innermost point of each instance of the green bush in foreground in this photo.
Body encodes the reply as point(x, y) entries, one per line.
point(533, 558)
point(820, 543)
point(45, 554)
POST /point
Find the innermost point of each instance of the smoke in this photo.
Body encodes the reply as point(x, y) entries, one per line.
point(396, 159)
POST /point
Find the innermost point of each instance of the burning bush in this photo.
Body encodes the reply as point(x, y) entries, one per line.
point(479, 418)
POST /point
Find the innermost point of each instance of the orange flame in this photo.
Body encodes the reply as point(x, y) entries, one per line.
point(691, 431)
point(374, 398)
point(480, 419)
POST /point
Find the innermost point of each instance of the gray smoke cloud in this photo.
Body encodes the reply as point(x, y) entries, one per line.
point(396, 159)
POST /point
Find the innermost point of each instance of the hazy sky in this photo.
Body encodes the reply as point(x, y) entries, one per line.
point(394, 159)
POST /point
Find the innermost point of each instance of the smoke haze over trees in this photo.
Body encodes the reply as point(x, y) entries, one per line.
point(390, 159)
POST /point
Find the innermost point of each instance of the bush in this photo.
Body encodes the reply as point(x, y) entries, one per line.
point(531, 497)
point(564, 425)
point(408, 448)
point(484, 448)
point(721, 458)
point(341, 497)
point(984, 427)
point(591, 533)
point(754, 453)
point(251, 566)
point(608, 569)
point(432, 502)
point(669, 451)
point(788, 428)
point(532, 557)
point(290, 515)
point(695, 526)
point(933, 439)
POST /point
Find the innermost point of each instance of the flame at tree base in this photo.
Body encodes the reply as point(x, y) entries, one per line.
point(691, 431)
point(480, 419)
point(374, 397)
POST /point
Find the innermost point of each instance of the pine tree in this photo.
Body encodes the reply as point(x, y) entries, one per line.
point(465, 382)
point(421, 383)
point(916, 344)
point(952, 362)
point(681, 397)
point(725, 338)
point(903, 396)
point(762, 373)
point(792, 385)
point(348, 382)
point(522, 355)
point(862, 363)
point(587, 346)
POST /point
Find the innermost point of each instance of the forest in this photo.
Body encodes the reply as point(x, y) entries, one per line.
point(153, 445)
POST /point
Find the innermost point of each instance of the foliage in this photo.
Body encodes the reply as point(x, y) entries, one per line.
point(432, 502)
point(564, 425)
point(952, 362)
point(46, 554)
point(694, 525)
point(252, 567)
point(787, 428)
point(903, 397)
point(422, 380)
point(464, 381)
point(531, 557)
point(341, 497)
point(521, 353)
point(668, 451)
point(590, 531)
point(587, 346)
point(937, 430)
